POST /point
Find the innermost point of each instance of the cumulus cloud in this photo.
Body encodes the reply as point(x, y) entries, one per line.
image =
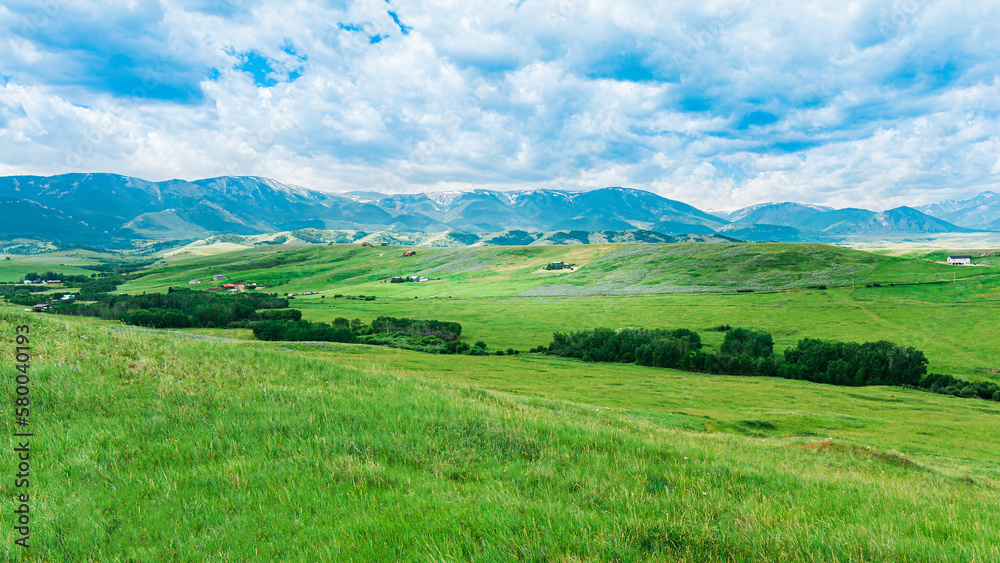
point(720, 103)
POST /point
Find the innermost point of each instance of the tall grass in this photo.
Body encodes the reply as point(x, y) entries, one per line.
point(153, 448)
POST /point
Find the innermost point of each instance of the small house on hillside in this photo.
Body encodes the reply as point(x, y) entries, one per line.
point(194, 281)
point(218, 277)
point(384, 244)
point(410, 253)
point(963, 260)
point(366, 244)
point(40, 307)
point(560, 265)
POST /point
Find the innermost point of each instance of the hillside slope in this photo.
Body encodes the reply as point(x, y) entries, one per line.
point(157, 448)
point(602, 269)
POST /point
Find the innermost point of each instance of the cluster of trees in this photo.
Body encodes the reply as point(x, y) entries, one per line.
point(850, 363)
point(185, 308)
point(439, 337)
point(747, 352)
point(88, 285)
point(743, 352)
point(948, 385)
point(442, 329)
point(299, 331)
point(625, 345)
point(50, 275)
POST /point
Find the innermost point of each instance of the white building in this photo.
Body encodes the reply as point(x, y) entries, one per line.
point(960, 260)
point(218, 277)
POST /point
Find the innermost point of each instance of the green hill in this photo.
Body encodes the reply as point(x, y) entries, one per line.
point(502, 295)
point(603, 269)
point(154, 448)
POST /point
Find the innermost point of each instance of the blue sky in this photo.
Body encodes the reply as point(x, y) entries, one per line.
point(720, 104)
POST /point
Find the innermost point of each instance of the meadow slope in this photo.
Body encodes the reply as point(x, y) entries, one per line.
point(503, 296)
point(152, 448)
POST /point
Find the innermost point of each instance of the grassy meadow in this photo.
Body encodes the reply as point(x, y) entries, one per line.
point(13, 267)
point(503, 296)
point(603, 269)
point(155, 448)
point(212, 446)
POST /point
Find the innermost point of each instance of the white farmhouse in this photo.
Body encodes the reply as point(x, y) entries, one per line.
point(960, 260)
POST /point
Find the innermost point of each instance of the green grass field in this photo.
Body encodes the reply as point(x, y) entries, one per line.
point(604, 269)
point(241, 450)
point(64, 262)
point(154, 448)
point(501, 295)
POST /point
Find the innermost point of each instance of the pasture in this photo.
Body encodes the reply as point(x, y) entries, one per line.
point(156, 445)
point(152, 447)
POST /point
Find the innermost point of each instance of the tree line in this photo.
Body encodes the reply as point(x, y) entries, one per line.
point(91, 285)
point(183, 308)
point(751, 353)
point(439, 337)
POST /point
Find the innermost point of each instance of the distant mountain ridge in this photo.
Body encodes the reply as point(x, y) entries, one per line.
point(116, 211)
point(816, 220)
point(979, 212)
point(550, 210)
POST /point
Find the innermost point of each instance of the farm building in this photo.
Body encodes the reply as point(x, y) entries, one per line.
point(384, 244)
point(560, 265)
point(218, 277)
point(963, 260)
point(195, 281)
point(40, 307)
point(410, 253)
point(366, 244)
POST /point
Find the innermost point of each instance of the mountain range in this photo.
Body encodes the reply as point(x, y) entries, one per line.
point(980, 212)
point(116, 211)
point(814, 221)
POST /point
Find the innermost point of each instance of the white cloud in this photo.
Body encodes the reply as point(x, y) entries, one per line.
point(865, 103)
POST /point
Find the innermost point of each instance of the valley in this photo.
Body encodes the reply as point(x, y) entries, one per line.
point(548, 457)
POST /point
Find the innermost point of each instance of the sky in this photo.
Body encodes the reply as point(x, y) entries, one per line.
point(721, 104)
